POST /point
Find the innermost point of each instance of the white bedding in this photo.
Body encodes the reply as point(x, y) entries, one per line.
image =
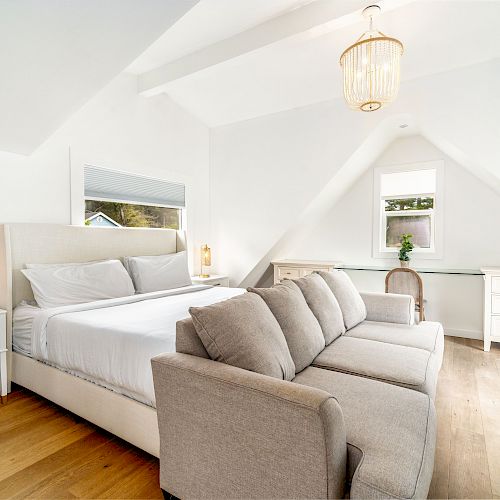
point(111, 342)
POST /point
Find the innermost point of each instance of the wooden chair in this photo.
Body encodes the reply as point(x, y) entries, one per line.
point(406, 281)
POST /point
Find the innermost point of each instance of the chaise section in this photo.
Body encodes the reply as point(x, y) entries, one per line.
point(391, 434)
point(427, 335)
point(228, 432)
point(408, 367)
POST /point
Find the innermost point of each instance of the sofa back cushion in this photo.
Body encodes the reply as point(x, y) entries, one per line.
point(324, 306)
point(243, 332)
point(350, 301)
point(187, 340)
point(301, 329)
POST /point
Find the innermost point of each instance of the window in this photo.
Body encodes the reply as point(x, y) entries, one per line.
point(406, 200)
point(117, 199)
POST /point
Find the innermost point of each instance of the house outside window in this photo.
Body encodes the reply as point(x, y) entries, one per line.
point(408, 199)
point(120, 199)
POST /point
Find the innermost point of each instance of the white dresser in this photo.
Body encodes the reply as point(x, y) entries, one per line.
point(3, 354)
point(491, 306)
point(297, 268)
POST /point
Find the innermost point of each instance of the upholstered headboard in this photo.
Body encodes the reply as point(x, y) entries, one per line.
point(54, 243)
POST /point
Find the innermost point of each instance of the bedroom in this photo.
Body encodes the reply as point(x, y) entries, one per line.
point(216, 133)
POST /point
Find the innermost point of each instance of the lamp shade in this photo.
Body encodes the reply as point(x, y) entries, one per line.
point(206, 256)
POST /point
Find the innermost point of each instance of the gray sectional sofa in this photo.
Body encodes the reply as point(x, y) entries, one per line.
point(304, 390)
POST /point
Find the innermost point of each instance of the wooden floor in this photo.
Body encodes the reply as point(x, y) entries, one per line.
point(467, 463)
point(46, 452)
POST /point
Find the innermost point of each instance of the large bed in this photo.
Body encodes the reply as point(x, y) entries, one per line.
point(94, 358)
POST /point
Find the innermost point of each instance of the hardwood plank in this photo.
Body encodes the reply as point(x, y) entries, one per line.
point(91, 469)
point(47, 452)
point(124, 476)
point(490, 411)
point(28, 455)
point(466, 414)
point(488, 390)
point(493, 457)
point(469, 472)
point(27, 480)
point(440, 479)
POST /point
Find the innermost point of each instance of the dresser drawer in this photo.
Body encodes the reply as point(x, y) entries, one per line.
point(495, 304)
point(495, 326)
point(307, 271)
point(289, 272)
point(495, 284)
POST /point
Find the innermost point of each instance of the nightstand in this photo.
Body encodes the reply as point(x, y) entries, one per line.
point(3, 355)
point(213, 279)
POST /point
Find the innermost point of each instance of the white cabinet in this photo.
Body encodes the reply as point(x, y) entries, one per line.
point(491, 306)
point(293, 269)
point(3, 354)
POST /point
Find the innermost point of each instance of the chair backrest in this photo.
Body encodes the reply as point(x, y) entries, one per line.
point(406, 281)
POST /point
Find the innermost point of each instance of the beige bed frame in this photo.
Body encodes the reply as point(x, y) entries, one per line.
point(53, 243)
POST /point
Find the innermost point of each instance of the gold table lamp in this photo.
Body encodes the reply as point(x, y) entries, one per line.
point(206, 260)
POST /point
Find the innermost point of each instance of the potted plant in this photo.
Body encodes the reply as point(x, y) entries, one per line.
point(406, 248)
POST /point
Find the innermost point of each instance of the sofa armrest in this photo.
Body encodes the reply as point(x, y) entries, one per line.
point(389, 307)
point(228, 432)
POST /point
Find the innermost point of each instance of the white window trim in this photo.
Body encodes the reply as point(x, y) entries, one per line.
point(378, 249)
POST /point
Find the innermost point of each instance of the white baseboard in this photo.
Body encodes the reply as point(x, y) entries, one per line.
point(466, 334)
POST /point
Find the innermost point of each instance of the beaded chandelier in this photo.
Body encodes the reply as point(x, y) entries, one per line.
point(371, 68)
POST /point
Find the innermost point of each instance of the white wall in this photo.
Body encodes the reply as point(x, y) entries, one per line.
point(117, 129)
point(271, 175)
point(471, 238)
point(470, 216)
point(265, 172)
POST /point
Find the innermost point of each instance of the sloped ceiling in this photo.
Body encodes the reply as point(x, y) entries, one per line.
point(192, 32)
point(57, 54)
point(292, 60)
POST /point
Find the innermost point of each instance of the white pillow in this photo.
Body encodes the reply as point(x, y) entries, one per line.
point(66, 264)
point(158, 272)
point(55, 286)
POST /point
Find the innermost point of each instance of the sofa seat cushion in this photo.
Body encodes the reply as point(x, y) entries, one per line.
point(391, 434)
point(394, 364)
point(302, 331)
point(323, 304)
point(426, 335)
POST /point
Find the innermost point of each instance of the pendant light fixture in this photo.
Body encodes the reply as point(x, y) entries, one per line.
point(371, 67)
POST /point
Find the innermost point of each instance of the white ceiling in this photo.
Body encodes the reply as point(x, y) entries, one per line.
point(206, 23)
point(56, 54)
point(438, 36)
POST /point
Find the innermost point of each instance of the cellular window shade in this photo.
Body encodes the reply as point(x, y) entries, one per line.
point(408, 183)
point(114, 185)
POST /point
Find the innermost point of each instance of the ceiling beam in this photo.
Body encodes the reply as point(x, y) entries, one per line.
point(313, 19)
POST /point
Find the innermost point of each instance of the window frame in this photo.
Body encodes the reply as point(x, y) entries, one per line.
point(379, 248)
point(77, 191)
point(182, 218)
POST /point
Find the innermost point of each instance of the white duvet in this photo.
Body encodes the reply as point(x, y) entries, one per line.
point(111, 342)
